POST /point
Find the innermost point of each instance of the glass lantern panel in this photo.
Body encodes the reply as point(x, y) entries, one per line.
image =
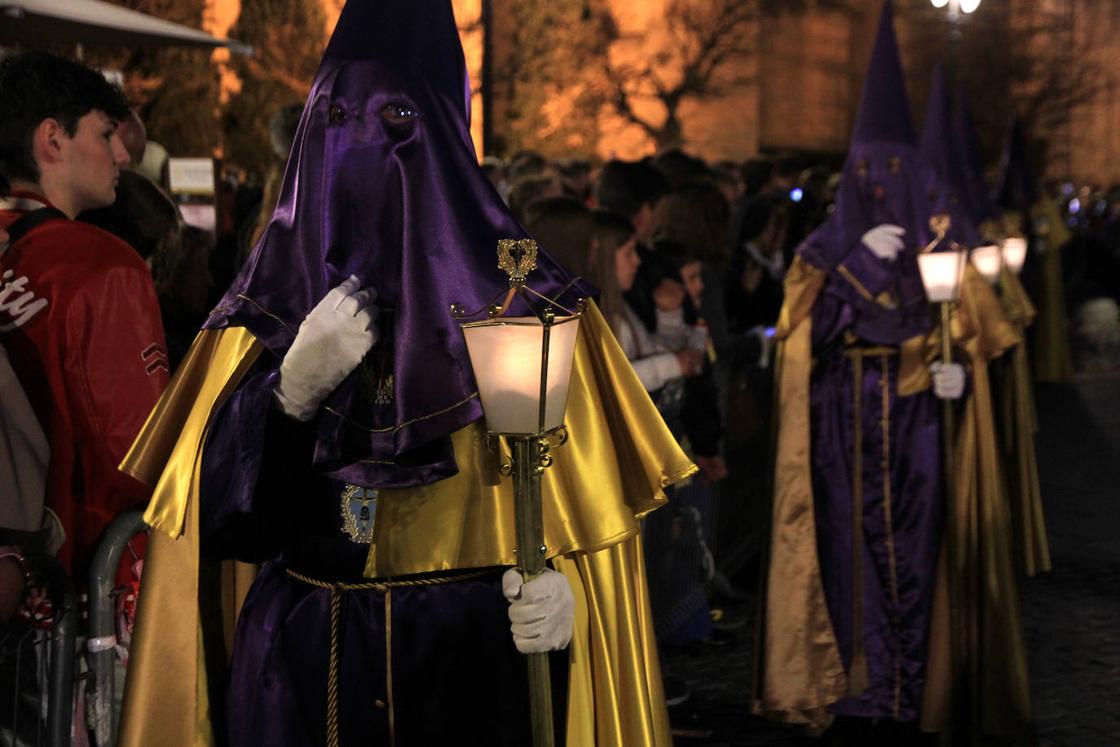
point(506, 358)
point(988, 261)
point(1014, 254)
point(941, 273)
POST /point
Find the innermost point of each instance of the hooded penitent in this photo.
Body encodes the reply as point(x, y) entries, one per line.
point(1042, 220)
point(943, 169)
point(1016, 189)
point(857, 507)
point(880, 184)
point(383, 184)
point(388, 107)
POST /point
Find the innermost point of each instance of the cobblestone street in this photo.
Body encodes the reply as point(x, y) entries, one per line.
point(1072, 615)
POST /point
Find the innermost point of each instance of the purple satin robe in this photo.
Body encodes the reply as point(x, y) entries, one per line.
point(456, 677)
point(902, 517)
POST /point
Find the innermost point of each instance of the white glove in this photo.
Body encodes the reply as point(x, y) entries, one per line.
point(948, 380)
point(885, 241)
point(331, 342)
point(541, 611)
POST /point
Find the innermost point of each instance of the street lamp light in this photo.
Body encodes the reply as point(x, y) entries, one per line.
point(957, 7)
point(523, 366)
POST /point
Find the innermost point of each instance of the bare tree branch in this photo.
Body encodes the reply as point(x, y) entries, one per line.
point(704, 39)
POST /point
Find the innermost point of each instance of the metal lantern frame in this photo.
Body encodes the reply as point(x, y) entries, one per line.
point(529, 451)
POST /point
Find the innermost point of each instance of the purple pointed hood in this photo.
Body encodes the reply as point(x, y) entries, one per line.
point(1016, 189)
point(979, 202)
point(382, 182)
point(880, 184)
point(942, 167)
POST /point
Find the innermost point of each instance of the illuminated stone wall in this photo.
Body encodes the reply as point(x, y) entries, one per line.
point(803, 83)
point(1093, 151)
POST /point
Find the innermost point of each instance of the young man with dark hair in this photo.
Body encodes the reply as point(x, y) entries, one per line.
point(78, 312)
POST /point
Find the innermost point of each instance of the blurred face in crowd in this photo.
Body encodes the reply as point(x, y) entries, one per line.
point(647, 221)
point(693, 282)
point(626, 261)
point(134, 137)
point(85, 168)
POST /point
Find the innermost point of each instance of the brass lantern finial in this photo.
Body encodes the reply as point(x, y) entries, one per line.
point(517, 257)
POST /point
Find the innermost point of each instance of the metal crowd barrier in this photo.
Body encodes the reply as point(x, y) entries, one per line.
point(101, 643)
point(37, 667)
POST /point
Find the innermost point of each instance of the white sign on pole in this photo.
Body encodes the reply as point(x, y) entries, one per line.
point(191, 176)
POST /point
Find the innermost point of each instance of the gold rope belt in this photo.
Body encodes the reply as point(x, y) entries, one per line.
point(857, 352)
point(336, 589)
point(386, 585)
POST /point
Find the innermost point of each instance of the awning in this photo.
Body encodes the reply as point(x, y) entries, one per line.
point(96, 22)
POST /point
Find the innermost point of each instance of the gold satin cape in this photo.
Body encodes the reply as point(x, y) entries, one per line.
point(613, 470)
point(799, 672)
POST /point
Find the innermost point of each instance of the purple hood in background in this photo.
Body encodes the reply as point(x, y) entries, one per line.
point(881, 183)
point(943, 166)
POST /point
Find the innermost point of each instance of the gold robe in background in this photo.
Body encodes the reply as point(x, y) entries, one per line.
point(994, 648)
point(1050, 344)
point(1019, 424)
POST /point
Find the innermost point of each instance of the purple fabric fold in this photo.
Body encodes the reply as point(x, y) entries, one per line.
point(979, 203)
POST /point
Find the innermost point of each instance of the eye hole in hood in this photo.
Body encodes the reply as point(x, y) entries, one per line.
point(399, 115)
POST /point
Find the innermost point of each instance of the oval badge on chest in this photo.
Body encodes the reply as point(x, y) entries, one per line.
point(359, 509)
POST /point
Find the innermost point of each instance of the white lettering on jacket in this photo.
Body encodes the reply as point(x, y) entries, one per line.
point(18, 303)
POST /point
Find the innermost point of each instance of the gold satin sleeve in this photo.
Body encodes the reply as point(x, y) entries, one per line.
point(915, 355)
point(614, 468)
point(983, 319)
point(800, 672)
point(163, 453)
point(802, 285)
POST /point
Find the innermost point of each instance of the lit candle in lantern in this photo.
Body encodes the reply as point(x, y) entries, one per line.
point(1014, 253)
point(988, 260)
